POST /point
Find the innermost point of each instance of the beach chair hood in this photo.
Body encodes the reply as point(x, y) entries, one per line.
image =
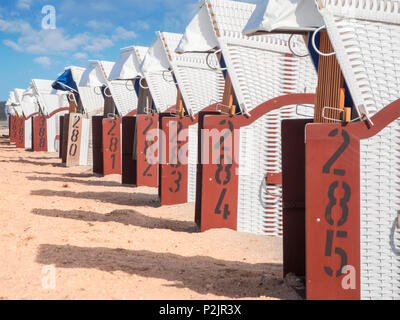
point(11, 103)
point(366, 39)
point(124, 96)
point(284, 16)
point(128, 64)
point(96, 74)
point(18, 98)
point(29, 103)
point(157, 71)
point(92, 102)
point(49, 99)
point(199, 36)
point(65, 82)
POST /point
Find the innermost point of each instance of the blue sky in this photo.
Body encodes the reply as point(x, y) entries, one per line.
point(85, 30)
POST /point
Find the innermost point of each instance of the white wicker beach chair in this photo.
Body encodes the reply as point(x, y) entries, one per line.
point(53, 104)
point(90, 104)
point(123, 94)
point(127, 69)
point(199, 87)
point(366, 39)
point(13, 117)
point(24, 135)
point(156, 70)
point(161, 85)
point(260, 68)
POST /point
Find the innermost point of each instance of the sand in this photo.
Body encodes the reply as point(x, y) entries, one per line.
point(66, 234)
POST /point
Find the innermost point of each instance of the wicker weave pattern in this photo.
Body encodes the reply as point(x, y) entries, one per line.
point(163, 92)
point(366, 51)
point(200, 87)
point(261, 69)
point(366, 38)
point(93, 103)
point(380, 206)
point(123, 93)
point(160, 82)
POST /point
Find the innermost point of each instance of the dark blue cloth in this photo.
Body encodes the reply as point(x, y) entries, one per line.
point(65, 82)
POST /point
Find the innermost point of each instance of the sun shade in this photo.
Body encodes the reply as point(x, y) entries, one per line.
point(49, 98)
point(127, 66)
point(96, 74)
point(284, 16)
point(65, 82)
point(157, 71)
point(29, 103)
point(199, 35)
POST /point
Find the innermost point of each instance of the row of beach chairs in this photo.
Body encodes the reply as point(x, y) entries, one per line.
point(278, 119)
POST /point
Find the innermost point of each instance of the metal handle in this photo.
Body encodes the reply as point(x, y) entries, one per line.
point(216, 58)
point(291, 49)
point(140, 84)
point(315, 46)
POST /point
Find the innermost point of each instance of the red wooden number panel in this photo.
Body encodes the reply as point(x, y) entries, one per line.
point(333, 212)
point(147, 150)
point(174, 179)
point(39, 134)
point(220, 178)
point(13, 129)
point(20, 143)
point(74, 140)
point(112, 151)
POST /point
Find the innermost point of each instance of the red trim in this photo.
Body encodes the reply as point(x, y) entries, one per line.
point(56, 111)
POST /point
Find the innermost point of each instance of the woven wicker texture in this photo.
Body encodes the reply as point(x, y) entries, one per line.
point(18, 98)
point(200, 87)
point(366, 38)
point(261, 68)
point(122, 91)
point(48, 98)
point(29, 103)
point(160, 82)
point(380, 206)
point(92, 102)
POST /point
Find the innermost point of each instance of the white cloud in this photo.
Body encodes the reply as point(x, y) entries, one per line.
point(99, 25)
point(43, 61)
point(98, 44)
point(24, 4)
point(121, 33)
point(47, 42)
point(80, 56)
point(141, 25)
point(15, 26)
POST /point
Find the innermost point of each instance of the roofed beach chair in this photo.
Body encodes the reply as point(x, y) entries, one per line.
point(351, 248)
point(85, 103)
point(46, 125)
point(361, 237)
point(160, 82)
point(127, 69)
point(199, 88)
point(24, 123)
point(239, 175)
point(13, 118)
point(121, 99)
point(30, 108)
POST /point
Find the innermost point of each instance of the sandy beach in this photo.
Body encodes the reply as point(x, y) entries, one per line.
point(102, 240)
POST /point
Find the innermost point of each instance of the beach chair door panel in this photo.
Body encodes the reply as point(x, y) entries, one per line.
point(147, 150)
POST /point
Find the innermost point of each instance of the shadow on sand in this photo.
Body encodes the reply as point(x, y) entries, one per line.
point(118, 198)
point(125, 217)
point(204, 275)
